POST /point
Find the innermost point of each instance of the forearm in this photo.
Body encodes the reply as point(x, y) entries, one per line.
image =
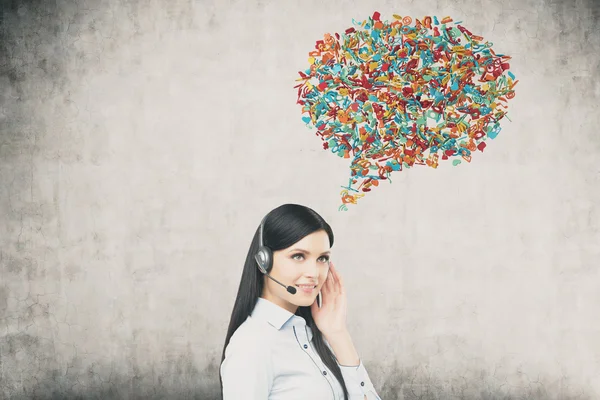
point(343, 348)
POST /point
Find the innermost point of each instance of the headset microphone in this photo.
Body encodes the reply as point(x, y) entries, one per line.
point(290, 289)
point(264, 259)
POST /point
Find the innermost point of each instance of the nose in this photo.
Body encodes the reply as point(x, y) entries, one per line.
point(312, 270)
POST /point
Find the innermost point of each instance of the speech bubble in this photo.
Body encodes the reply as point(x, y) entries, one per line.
point(392, 95)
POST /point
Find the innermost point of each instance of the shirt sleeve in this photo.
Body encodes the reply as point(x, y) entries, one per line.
point(357, 380)
point(358, 383)
point(246, 371)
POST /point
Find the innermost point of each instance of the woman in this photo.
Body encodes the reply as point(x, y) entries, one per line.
point(281, 344)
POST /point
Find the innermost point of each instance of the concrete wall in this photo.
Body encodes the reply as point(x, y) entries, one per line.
point(141, 142)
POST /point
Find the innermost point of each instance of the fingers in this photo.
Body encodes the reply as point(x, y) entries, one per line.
point(334, 280)
point(326, 290)
point(329, 282)
point(339, 283)
point(342, 286)
point(333, 286)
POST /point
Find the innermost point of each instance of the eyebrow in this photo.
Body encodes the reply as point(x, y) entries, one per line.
point(307, 252)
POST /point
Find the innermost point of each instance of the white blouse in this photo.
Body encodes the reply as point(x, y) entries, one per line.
point(271, 356)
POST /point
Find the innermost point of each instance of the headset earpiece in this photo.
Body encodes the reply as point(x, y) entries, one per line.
point(264, 258)
point(264, 255)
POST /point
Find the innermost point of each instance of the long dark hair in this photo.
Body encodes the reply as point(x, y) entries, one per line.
point(283, 226)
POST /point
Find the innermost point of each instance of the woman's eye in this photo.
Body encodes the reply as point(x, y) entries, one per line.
point(300, 256)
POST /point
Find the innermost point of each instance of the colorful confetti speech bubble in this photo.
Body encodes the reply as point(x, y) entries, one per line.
point(391, 95)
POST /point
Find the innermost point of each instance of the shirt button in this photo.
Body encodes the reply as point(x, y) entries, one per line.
point(306, 346)
point(362, 384)
point(324, 372)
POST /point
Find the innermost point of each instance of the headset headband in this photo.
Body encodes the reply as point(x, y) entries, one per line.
point(260, 237)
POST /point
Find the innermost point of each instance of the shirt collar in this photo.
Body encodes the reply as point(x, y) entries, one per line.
point(275, 315)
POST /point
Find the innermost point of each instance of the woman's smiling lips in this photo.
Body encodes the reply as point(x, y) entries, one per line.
point(307, 288)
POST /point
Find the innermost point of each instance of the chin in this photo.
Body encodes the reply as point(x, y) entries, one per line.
point(306, 302)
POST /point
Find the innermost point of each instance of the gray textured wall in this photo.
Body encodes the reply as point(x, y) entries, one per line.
point(141, 142)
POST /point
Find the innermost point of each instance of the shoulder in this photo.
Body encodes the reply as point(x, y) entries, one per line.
point(247, 369)
point(250, 337)
point(249, 347)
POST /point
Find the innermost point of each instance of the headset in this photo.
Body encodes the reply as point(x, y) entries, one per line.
point(264, 255)
point(264, 258)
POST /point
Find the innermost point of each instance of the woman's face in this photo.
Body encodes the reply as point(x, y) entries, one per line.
point(304, 263)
